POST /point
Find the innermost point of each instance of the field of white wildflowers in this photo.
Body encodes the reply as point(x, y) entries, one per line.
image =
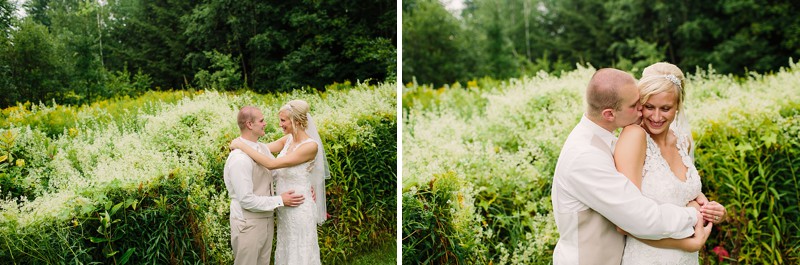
point(478, 163)
point(80, 195)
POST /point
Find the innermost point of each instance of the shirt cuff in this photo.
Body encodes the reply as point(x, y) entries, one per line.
point(688, 231)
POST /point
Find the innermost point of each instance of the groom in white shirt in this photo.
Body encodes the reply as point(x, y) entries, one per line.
point(250, 190)
point(590, 198)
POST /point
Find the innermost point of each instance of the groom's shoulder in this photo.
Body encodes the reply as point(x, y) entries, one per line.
point(238, 157)
point(582, 145)
point(579, 139)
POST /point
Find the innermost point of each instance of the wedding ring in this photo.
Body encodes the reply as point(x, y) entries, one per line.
point(716, 218)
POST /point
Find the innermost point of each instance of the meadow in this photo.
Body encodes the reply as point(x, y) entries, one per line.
point(139, 180)
point(478, 162)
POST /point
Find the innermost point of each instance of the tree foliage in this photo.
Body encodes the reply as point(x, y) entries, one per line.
point(32, 68)
point(287, 45)
point(435, 45)
point(277, 46)
point(520, 37)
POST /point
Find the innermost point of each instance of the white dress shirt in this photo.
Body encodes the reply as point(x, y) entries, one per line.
point(588, 192)
point(238, 175)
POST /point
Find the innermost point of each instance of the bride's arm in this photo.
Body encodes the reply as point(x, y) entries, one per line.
point(629, 153)
point(303, 154)
point(277, 145)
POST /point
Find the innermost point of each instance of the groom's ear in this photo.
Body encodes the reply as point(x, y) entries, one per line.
point(608, 115)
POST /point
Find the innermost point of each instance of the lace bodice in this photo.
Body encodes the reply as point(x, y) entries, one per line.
point(297, 174)
point(297, 228)
point(660, 184)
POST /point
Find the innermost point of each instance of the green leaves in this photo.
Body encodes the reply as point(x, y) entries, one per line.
point(747, 164)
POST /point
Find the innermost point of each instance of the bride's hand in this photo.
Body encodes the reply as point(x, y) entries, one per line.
point(714, 212)
point(695, 205)
point(235, 144)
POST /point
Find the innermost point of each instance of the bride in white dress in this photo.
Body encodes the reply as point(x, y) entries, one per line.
point(657, 157)
point(300, 166)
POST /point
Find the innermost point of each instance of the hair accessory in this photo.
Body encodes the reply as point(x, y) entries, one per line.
point(673, 79)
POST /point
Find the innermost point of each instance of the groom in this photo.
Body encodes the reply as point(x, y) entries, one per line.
point(590, 197)
point(250, 189)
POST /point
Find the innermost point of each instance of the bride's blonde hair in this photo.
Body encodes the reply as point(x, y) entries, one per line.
point(297, 111)
point(662, 77)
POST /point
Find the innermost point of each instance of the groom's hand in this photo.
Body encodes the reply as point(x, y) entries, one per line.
point(701, 234)
point(290, 199)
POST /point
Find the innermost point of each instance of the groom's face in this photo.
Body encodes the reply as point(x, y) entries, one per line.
point(630, 110)
point(258, 123)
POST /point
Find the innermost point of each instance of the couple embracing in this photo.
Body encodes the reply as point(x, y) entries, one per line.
point(300, 170)
point(635, 199)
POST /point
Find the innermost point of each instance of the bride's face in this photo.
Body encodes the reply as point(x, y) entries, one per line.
point(659, 112)
point(285, 123)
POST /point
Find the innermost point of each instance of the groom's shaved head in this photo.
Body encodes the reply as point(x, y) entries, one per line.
point(603, 90)
point(246, 113)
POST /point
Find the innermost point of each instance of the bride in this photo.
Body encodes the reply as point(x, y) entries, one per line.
point(300, 166)
point(656, 157)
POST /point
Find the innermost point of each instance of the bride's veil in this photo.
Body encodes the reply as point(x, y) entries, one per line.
point(682, 127)
point(319, 173)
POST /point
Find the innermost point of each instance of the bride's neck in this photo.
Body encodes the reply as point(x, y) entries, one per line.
point(659, 139)
point(300, 136)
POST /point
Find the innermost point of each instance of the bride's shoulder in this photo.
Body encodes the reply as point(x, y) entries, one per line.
point(679, 138)
point(284, 139)
point(309, 143)
point(633, 131)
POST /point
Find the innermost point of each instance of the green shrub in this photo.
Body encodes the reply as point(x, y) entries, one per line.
point(223, 73)
point(751, 164)
point(429, 235)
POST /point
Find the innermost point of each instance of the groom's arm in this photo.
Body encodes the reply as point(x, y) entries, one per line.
point(690, 244)
point(594, 181)
point(241, 172)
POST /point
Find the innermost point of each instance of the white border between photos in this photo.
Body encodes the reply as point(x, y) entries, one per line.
point(399, 74)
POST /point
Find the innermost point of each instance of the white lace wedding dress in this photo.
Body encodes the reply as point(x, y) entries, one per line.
point(660, 184)
point(297, 228)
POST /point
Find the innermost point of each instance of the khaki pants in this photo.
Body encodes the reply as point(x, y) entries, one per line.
point(251, 240)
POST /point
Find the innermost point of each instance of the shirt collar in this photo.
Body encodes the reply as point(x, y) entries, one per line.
point(608, 137)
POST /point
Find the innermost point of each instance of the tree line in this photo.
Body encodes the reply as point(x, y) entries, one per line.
point(509, 38)
point(77, 51)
